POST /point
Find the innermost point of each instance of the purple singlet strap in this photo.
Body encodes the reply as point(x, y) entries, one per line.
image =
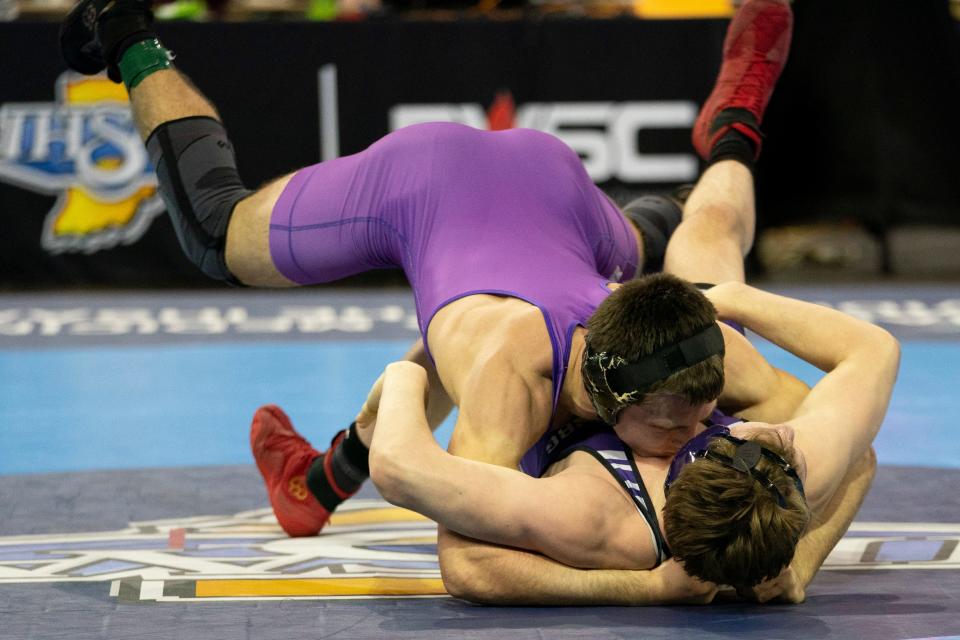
point(599, 440)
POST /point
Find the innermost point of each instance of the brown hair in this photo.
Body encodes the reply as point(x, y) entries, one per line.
point(726, 527)
point(650, 312)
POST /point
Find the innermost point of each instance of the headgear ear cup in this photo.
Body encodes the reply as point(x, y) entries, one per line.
point(746, 456)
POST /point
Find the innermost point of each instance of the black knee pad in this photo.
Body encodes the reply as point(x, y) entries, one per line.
point(200, 185)
point(657, 217)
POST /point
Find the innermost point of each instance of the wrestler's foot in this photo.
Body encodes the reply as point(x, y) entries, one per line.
point(284, 457)
point(96, 32)
point(754, 54)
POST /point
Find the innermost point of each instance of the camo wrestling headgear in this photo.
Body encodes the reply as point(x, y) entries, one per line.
point(615, 383)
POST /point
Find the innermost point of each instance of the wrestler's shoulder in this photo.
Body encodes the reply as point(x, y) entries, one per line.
point(523, 339)
point(483, 339)
point(494, 326)
point(581, 462)
point(620, 535)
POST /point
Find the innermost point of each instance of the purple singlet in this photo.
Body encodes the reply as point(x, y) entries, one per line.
point(462, 212)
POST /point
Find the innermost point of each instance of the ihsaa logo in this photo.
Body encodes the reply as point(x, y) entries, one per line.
point(85, 150)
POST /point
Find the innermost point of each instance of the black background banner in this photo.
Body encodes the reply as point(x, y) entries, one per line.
point(264, 79)
point(844, 136)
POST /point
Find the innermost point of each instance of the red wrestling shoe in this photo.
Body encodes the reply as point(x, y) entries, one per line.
point(754, 54)
point(283, 457)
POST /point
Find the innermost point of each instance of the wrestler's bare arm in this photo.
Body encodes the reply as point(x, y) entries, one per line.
point(757, 391)
point(491, 573)
point(839, 418)
point(753, 388)
point(488, 574)
point(825, 531)
point(439, 403)
point(572, 517)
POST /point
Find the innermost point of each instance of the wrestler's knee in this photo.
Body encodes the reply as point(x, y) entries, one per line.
point(248, 239)
point(719, 221)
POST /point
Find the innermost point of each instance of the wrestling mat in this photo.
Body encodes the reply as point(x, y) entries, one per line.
point(130, 507)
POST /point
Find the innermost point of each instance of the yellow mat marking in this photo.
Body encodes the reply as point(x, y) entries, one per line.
point(373, 516)
point(320, 587)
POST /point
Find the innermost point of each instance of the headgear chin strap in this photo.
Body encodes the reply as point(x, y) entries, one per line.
point(615, 383)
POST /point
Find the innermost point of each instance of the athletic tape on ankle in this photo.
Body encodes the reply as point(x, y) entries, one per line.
point(143, 59)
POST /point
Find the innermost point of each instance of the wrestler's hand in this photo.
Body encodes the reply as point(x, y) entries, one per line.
point(402, 372)
point(679, 587)
point(724, 297)
point(787, 587)
point(402, 444)
point(367, 418)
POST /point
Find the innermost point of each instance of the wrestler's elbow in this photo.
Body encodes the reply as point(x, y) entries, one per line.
point(468, 574)
point(889, 344)
point(467, 583)
point(893, 348)
point(884, 349)
point(391, 478)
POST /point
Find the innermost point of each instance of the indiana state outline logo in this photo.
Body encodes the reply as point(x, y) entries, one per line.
point(85, 150)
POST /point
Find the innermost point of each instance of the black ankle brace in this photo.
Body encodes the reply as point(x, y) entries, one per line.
point(741, 142)
point(734, 146)
point(356, 452)
point(341, 470)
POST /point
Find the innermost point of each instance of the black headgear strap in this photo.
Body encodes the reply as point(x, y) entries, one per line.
point(664, 362)
point(745, 459)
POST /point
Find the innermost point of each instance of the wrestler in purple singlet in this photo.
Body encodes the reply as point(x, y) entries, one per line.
point(462, 212)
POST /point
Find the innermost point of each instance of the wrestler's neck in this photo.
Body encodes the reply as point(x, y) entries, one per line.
point(574, 399)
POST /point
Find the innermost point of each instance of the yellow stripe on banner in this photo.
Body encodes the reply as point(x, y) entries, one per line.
point(320, 587)
point(666, 9)
point(375, 516)
point(83, 213)
point(93, 90)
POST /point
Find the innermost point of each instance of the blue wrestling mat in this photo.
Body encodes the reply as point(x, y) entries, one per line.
point(131, 507)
